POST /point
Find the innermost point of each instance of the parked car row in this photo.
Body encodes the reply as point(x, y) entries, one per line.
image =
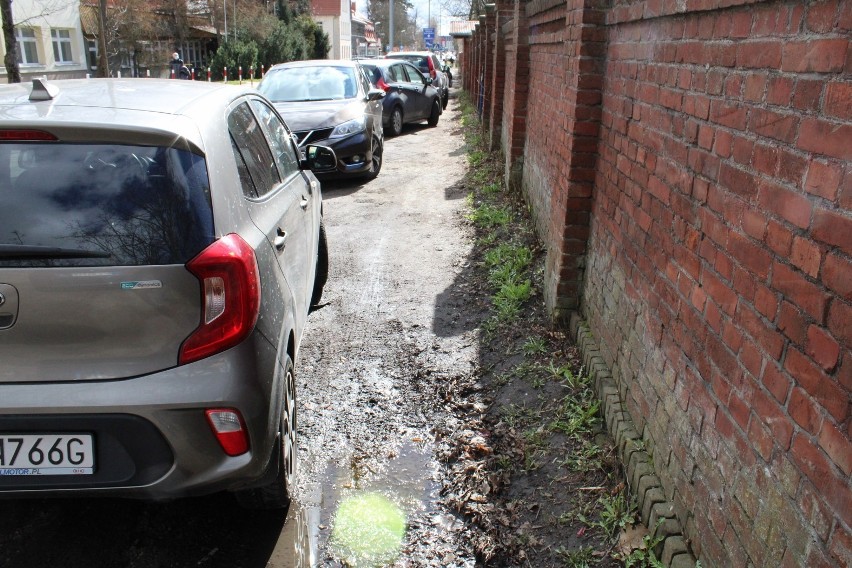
point(161, 246)
point(349, 106)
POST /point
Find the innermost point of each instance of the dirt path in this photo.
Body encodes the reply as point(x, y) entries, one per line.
point(392, 327)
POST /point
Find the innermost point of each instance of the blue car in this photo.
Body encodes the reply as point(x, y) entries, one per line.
point(409, 96)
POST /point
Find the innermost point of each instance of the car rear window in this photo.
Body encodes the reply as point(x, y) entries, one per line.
point(418, 61)
point(69, 204)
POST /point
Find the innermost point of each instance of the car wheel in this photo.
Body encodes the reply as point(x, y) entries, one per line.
point(396, 122)
point(435, 114)
point(376, 164)
point(446, 99)
point(276, 495)
point(321, 270)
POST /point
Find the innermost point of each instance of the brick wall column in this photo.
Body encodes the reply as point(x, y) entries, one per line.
point(571, 204)
point(503, 13)
point(484, 70)
point(517, 65)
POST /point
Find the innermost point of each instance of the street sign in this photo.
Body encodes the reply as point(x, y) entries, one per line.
point(428, 37)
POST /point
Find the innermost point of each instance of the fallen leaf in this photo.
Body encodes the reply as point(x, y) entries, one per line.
point(631, 538)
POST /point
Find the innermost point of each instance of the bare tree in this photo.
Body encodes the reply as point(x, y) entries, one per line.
point(11, 58)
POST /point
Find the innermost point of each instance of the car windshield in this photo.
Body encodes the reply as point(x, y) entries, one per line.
point(320, 83)
point(101, 205)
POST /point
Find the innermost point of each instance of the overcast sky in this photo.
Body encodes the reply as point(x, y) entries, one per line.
point(423, 8)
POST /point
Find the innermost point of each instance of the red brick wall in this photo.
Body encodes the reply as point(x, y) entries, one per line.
point(565, 76)
point(719, 268)
point(688, 162)
point(515, 30)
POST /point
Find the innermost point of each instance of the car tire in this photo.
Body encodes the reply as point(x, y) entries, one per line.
point(321, 270)
point(276, 495)
point(446, 100)
point(435, 114)
point(376, 162)
point(395, 126)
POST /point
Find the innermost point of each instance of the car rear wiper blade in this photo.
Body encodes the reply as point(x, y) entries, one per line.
point(35, 252)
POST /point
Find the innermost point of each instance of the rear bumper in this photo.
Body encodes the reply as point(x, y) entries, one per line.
point(152, 439)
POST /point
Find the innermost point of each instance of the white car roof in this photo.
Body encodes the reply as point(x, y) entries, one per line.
point(102, 109)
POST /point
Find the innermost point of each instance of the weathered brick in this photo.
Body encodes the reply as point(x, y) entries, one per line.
point(814, 56)
point(815, 465)
point(837, 446)
point(840, 321)
point(826, 138)
point(833, 228)
point(819, 385)
point(799, 290)
point(804, 411)
point(838, 100)
point(824, 179)
point(822, 348)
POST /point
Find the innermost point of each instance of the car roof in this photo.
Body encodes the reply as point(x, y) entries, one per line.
point(107, 109)
point(422, 53)
point(380, 62)
point(317, 63)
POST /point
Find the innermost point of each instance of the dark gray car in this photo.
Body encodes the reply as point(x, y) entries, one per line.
point(409, 97)
point(161, 243)
point(331, 102)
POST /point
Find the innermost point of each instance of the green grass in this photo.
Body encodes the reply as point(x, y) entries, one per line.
point(534, 346)
point(489, 216)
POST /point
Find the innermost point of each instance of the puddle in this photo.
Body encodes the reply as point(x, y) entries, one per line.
point(297, 543)
point(361, 514)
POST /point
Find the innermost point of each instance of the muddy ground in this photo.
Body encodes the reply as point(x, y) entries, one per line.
point(431, 432)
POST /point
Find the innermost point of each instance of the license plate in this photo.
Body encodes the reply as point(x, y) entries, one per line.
point(46, 454)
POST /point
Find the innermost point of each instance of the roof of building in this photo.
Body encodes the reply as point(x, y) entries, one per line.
point(462, 28)
point(326, 7)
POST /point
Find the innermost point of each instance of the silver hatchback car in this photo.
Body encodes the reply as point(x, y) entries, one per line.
point(161, 243)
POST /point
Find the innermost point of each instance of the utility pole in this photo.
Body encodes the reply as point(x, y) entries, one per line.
point(103, 64)
point(390, 33)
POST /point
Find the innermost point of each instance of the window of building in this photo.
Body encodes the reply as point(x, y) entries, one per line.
point(27, 46)
point(92, 50)
point(61, 45)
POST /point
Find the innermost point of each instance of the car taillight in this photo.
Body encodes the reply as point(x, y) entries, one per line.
point(383, 86)
point(230, 430)
point(26, 135)
point(230, 294)
point(432, 72)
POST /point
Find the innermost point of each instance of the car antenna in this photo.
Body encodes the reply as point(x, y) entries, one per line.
point(43, 91)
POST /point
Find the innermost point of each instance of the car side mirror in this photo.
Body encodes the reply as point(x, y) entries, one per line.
point(429, 80)
point(375, 94)
point(319, 159)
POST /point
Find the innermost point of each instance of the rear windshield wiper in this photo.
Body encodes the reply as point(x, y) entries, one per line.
point(35, 252)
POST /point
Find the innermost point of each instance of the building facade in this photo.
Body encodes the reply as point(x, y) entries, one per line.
point(50, 41)
point(335, 17)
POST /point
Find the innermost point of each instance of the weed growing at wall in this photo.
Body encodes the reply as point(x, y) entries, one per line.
point(557, 495)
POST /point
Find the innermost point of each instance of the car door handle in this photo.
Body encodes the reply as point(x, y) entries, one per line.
point(304, 202)
point(280, 239)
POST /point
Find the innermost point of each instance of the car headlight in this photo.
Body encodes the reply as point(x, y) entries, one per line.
point(349, 127)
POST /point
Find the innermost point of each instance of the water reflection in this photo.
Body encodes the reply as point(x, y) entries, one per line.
point(368, 530)
point(297, 545)
point(363, 510)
